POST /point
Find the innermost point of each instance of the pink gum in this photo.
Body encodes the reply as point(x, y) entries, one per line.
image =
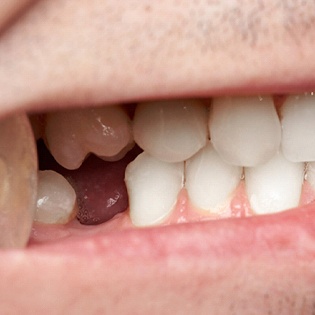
point(183, 212)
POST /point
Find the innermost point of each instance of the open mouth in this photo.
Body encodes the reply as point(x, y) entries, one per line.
point(249, 264)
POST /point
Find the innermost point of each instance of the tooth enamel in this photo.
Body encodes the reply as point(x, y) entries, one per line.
point(245, 131)
point(298, 128)
point(152, 187)
point(171, 131)
point(274, 186)
point(73, 134)
point(56, 199)
point(310, 174)
point(209, 180)
point(18, 171)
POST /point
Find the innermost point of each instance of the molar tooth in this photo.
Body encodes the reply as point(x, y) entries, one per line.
point(209, 180)
point(245, 130)
point(56, 199)
point(171, 131)
point(274, 186)
point(153, 187)
point(71, 135)
point(298, 128)
point(18, 186)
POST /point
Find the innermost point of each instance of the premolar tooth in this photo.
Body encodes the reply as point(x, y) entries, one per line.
point(245, 130)
point(18, 186)
point(152, 187)
point(71, 135)
point(56, 199)
point(209, 180)
point(298, 128)
point(274, 186)
point(171, 131)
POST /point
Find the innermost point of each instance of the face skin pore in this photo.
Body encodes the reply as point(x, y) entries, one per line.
point(69, 53)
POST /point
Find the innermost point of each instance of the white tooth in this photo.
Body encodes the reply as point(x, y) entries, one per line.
point(18, 185)
point(152, 187)
point(56, 199)
point(274, 186)
point(171, 131)
point(71, 135)
point(298, 128)
point(245, 130)
point(209, 180)
point(310, 174)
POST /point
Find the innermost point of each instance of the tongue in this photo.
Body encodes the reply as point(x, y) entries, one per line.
point(99, 185)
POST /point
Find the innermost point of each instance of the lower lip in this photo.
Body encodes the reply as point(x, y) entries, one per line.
point(196, 265)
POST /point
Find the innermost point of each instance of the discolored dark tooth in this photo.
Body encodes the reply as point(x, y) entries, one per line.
point(99, 185)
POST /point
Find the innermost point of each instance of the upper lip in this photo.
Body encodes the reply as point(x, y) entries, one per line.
point(46, 62)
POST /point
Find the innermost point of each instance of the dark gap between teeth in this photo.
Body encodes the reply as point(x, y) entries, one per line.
point(99, 185)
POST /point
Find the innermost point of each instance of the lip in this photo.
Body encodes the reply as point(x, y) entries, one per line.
point(244, 265)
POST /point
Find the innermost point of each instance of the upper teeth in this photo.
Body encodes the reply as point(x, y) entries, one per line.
point(298, 128)
point(245, 130)
point(171, 131)
point(103, 131)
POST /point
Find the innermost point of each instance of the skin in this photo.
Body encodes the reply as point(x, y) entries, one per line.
point(64, 53)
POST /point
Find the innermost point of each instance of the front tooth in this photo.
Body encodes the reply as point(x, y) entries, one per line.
point(18, 169)
point(71, 135)
point(298, 128)
point(209, 180)
point(171, 131)
point(56, 199)
point(274, 186)
point(153, 187)
point(245, 130)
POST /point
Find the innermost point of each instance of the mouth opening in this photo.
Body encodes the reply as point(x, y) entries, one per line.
point(235, 207)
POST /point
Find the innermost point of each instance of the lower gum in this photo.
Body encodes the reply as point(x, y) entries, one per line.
point(183, 212)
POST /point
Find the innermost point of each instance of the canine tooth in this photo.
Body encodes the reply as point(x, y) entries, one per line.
point(245, 130)
point(274, 186)
point(73, 134)
point(153, 186)
point(298, 128)
point(56, 199)
point(171, 131)
point(18, 186)
point(209, 180)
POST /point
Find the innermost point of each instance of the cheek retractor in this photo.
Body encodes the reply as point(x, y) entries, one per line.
point(18, 184)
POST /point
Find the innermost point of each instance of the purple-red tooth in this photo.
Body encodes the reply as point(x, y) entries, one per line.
point(99, 185)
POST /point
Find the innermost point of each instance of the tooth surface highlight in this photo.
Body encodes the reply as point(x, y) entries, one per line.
point(298, 128)
point(18, 185)
point(71, 135)
point(56, 199)
point(274, 186)
point(153, 187)
point(171, 131)
point(209, 180)
point(245, 131)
